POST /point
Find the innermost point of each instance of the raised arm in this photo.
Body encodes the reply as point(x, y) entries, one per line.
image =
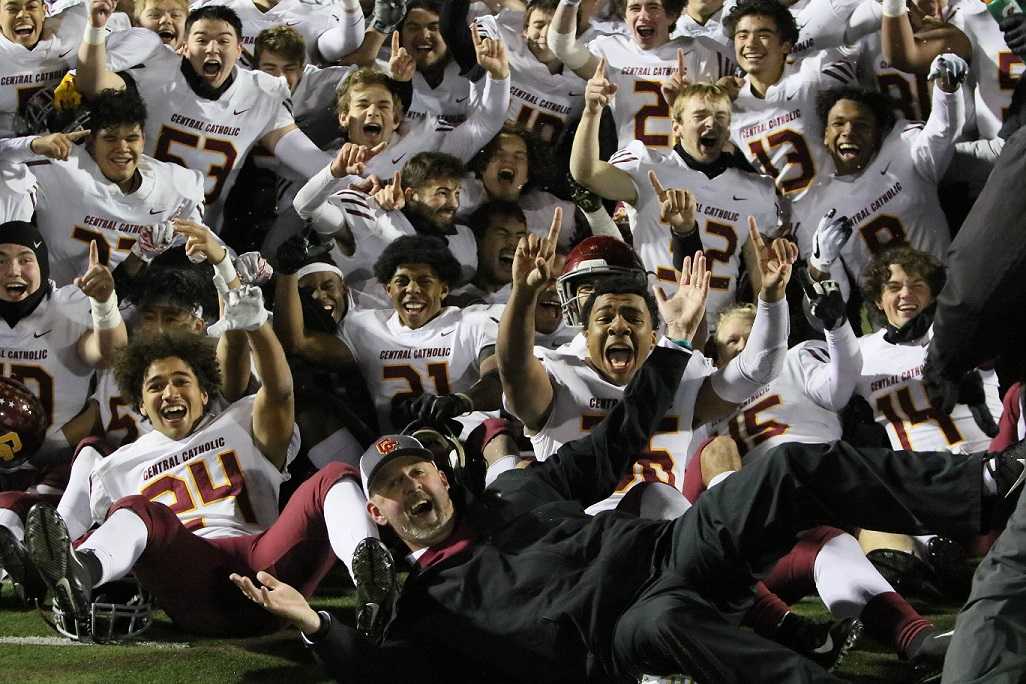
point(586, 167)
point(915, 51)
point(93, 75)
point(96, 347)
point(829, 378)
point(934, 145)
point(562, 40)
point(525, 382)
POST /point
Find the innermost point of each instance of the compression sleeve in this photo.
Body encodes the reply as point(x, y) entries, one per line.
point(299, 153)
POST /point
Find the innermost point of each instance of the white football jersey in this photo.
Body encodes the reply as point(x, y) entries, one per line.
point(892, 383)
point(780, 134)
point(17, 192)
point(215, 479)
point(910, 92)
point(723, 205)
point(994, 68)
point(440, 357)
point(102, 212)
point(541, 101)
point(783, 411)
point(310, 18)
point(120, 421)
point(582, 398)
point(538, 207)
point(893, 200)
point(210, 136)
point(42, 352)
point(450, 100)
point(639, 110)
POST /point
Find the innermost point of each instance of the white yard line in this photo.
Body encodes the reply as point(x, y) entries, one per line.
point(58, 641)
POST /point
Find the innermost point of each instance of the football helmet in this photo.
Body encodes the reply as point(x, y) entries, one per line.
point(58, 110)
point(597, 256)
point(120, 610)
point(23, 424)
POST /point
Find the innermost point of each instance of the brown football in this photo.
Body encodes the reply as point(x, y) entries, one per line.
point(23, 423)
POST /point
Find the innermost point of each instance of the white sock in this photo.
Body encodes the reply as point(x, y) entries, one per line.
point(347, 520)
point(11, 521)
point(989, 483)
point(117, 544)
point(662, 502)
point(845, 579)
point(339, 446)
point(74, 505)
point(498, 467)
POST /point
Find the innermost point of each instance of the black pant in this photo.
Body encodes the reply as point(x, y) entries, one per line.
point(737, 531)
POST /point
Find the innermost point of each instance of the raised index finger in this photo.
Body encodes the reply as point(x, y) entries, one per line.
point(554, 228)
point(656, 185)
point(395, 43)
point(600, 68)
point(681, 67)
point(75, 136)
point(94, 254)
point(754, 235)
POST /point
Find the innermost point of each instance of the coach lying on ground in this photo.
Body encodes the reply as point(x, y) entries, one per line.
point(522, 586)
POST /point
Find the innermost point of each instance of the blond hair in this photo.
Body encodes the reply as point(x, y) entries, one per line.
point(709, 92)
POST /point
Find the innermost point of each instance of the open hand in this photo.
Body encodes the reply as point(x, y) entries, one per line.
point(279, 599)
point(683, 312)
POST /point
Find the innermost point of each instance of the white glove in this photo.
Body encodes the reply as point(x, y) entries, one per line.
point(253, 268)
point(831, 236)
point(154, 241)
point(949, 68)
point(243, 309)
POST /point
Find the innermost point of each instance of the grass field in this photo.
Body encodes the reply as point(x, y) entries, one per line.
point(31, 652)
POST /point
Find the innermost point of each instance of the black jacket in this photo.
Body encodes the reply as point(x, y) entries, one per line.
point(535, 598)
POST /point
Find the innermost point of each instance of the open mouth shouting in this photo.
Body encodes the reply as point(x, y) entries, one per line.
point(619, 357)
point(709, 143)
point(24, 31)
point(645, 32)
point(173, 413)
point(168, 35)
point(16, 290)
point(211, 67)
point(372, 131)
point(848, 152)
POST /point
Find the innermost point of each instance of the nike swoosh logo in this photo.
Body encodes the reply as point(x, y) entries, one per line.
point(399, 158)
point(738, 199)
point(790, 97)
point(574, 94)
point(157, 211)
point(240, 111)
point(447, 332)
point(884, 172)
point(292, 23)
point(461, 99)
point(64, 54)
point(40, 334)
point(37, 245)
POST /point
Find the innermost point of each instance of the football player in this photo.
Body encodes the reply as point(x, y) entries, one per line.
point(883, 174)
point(719, 198)
point(166, 18)
point(498, 227)
point(639, 64)
point(774, 121)
point(52, 346)
point(562, 395)
point(204, 112)
point(120, 190)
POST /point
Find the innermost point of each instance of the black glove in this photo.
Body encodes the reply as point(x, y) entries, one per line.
point(823, 301)
point(944, 393)
point(300, 250)
point(430, 409)
point(1014, 30)
point(587, 200)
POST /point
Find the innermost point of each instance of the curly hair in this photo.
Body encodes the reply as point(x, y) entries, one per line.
point(912, 261)
point(215, 13)
point(621, 285)
point(787, 26)
point(181, 287)
point(133, 361)
point(882, 106)
point(429, 250)
point(116, 108)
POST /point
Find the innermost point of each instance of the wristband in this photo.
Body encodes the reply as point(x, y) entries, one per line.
point(894, 8)
point(106, 315)
point(226, 269)
point(684, 343)
point(94, 36)
point(575, 3)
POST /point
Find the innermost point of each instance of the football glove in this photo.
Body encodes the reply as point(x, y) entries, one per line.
point(154, 240)
point(431, 409)
point(253, 269)
point(243, 309)
point(831, 236)
point(949, 68)
point(301, 249)
point(823, 301)
point(945, 393)
point(387, 15)
point(1014, 29)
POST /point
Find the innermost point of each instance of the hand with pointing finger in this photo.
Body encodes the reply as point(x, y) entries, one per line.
point(775, 262)
point(97, 282)
point(57, 145)
point(672, 87)
point(600, 90)
point(351, 159)
point(200, 242)
point(676, 206)
point(535, 258)
point(391, 197)
point(401, 66)
point(491, 54)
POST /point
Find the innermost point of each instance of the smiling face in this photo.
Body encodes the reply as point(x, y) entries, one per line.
point(536, 29)
point(19, 272)
point(852, 136)
point(421, 35)
point(172, 398)
point(496, 248)
point(116, 151)
point(702, 126)
point(328, 290)
point(166, 18)
point(507, 171)
point(437, 201)
point(371, 116)
point(278, 65)
point(212, 49)
point(731, 337)
point(904, 296)
point(21, 21)
point(648, 22)
point(619, 336)
point(758, 46)
point(416, 293)
point(412, 495)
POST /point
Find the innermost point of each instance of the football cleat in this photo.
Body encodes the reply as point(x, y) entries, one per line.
point(926, 655)
point(60, 565)
point(825, 643)
point(1009, 474)
point(28, 585)
point(377, 588)
point(906, 572)
point(947, 558)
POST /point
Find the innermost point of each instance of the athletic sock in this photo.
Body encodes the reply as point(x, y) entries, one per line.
point(347, 520)
point(11, 521)
point(116, 545)
point(890, 619)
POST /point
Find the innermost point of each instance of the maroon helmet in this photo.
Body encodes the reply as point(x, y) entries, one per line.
point(23, 423)
point(593, 258)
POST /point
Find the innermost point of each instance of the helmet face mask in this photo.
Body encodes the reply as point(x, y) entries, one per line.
point(120, 610)
point(594, 258)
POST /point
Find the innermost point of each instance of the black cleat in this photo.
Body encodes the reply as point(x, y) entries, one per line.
point(906, 572)
point(947, 558)
point(28, 585)
point(377, 588)
point(61, 566)
point(1009, 474)
point(926, 655)
point(826, 643)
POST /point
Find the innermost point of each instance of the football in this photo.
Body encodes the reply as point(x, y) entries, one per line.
point(23, 423)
